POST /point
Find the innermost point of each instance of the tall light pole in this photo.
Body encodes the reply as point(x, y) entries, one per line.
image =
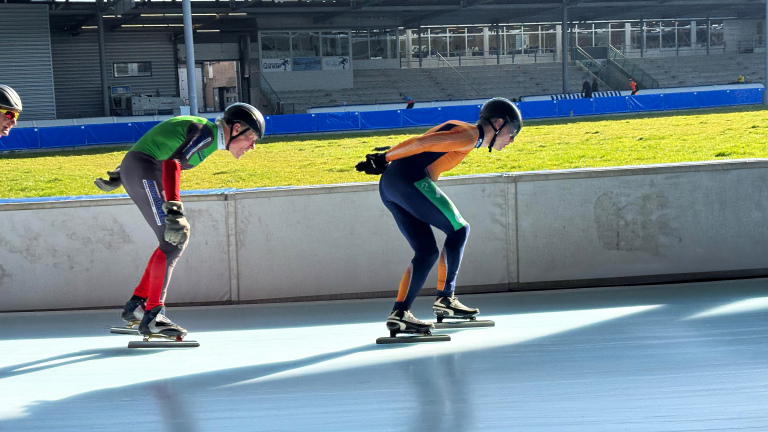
point(190, 48)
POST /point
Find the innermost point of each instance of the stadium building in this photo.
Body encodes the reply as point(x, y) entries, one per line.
point(97, 59)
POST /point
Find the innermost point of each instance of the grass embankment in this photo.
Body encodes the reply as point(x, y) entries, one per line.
point(685, 136)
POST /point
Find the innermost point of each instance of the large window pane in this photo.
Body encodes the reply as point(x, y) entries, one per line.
point(617, 36)
point(701, 34)
point(716, 33)
point(636, 35)
point(583, 34)
point(652, 35)
point(684, 34)
point(668, 39)
point(275, 45)
point(335, 43)
point(360, 45)
point(601, 34)
point(457, 40)
point(438, 42)
point(306, 44)
point(383, 44)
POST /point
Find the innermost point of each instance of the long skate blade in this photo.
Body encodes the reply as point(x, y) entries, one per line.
point(412, 339)
point(124, 330)
point(464, 324)
point(163, 344)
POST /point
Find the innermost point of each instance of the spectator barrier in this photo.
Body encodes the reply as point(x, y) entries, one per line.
point(115, 133)
point(536, 230)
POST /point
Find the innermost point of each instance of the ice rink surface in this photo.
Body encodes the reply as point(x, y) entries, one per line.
point(684, 357)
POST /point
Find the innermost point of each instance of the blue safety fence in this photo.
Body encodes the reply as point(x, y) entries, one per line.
point(112, 133)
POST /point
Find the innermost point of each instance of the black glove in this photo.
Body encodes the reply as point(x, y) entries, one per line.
point(176, 225)
point(111, 184)
point(374, 163)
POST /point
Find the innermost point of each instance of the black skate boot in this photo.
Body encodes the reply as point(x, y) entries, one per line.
point(451, 307)
point(404, 322)
point(156, 324)
point(133, 311)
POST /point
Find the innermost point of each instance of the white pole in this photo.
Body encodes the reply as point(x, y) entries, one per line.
point(765, 43)
point(190, 48)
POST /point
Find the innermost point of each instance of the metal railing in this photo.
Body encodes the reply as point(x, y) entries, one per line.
point(477, 58)
point(627, 66)
point(458, 73)
point(595, 68)
point(273, 100)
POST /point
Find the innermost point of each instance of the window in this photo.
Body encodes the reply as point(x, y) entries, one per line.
point(383, 44)
point(360, 45)
point(716, 33)
point(335, 44)
point(305, 44)
point(138, 69)
point(275, 45)
point(636, 35)
point(684, 34)
point(601, 34)
point(617, 35)
point(668, 34)
point(652, 35)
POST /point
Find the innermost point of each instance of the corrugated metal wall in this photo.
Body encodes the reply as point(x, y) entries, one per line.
point(77, 76)
point(26, 45)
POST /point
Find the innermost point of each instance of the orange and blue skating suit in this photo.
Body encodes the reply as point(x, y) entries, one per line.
point(408, 190)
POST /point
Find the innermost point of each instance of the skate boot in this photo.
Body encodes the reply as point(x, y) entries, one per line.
point(404, 322)
point(156, 324)
point(451, 307)
point(133, 311)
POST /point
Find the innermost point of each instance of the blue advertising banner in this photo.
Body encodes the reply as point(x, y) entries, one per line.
point(306, 64)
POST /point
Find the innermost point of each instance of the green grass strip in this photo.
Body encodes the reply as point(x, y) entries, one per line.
point(681, 136)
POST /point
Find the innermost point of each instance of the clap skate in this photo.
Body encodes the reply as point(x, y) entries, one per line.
point(403, 322)
point(160, 332)
point(451, 308)
point(132, 313)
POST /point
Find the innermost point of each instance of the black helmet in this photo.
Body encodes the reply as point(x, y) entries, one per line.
point(9, 99)
point(501, 108)
point(504, 109)
point(246, 114)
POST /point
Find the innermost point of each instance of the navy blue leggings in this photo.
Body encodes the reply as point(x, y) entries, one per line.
point(417, 207)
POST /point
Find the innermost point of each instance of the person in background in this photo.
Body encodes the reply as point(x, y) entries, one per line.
point(409, 102)
point(633, 86)
point(594, 86)
point(586, 89)
point(10, 108)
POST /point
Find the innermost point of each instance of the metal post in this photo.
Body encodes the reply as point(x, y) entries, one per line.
point(709, 33)
point(103, 63)
point(420, 46)
point(565, 47)
point(765, 39)
point(498, 44)
point(190, 49)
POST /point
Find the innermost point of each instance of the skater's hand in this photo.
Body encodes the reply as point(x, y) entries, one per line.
point(374, 163)
point(176, 225)
point(112, 183)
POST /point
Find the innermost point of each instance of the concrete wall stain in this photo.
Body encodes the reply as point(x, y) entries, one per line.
point(634, 222)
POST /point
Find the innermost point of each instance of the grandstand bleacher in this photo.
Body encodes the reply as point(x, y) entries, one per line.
point(514, 81)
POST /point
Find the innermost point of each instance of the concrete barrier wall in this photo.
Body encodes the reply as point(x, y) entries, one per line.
point(528, 230)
